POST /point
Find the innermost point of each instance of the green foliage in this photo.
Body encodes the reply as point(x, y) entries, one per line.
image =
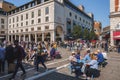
point(77, 31)
point(92, 35)
point(86, 34)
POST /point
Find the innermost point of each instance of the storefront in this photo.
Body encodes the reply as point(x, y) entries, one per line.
point(116, 37)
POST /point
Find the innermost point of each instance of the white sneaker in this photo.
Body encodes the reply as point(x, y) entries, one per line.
point(88, 78)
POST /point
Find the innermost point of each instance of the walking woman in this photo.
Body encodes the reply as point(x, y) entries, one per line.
point(40, 57)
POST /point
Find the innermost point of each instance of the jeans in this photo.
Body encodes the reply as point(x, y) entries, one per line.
point(19, 64)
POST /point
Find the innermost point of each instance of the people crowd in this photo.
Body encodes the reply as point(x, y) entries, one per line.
point(15, 53)
point(87, 64)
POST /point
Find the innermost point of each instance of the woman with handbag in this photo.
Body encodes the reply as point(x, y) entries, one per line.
point(40, 57)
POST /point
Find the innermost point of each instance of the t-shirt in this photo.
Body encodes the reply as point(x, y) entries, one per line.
point(93, 64)
point(72, 58)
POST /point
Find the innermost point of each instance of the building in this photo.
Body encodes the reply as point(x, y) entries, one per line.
point(3, 25)
point(97, 28)
point(106, 33)
point(114, 21)
point(51, 20)
point(6, 6)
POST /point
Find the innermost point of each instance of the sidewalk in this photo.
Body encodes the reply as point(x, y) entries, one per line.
point(112, 70)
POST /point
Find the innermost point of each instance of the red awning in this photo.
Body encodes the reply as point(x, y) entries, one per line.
point(116, 35)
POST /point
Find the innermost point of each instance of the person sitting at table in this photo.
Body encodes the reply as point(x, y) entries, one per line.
point(91, 69)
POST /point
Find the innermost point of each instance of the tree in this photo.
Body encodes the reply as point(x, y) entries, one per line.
point(86, 34)
point(93, 35)
point(77, 31)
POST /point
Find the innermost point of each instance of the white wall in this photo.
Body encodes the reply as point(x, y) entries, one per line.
point(35, 25)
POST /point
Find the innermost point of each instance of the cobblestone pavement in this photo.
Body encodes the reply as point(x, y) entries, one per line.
point(110, 72)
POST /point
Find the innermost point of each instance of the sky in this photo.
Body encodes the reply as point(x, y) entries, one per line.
point(100, 8)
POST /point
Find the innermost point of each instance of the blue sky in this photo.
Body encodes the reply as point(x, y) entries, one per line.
point(100, 8)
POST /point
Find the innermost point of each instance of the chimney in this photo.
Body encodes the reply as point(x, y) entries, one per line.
point(91, 15)
point(81, 7)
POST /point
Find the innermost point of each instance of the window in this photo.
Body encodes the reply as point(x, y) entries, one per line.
point(17, 18)
point(10, 21)
point(83, 20)
point(13, 20)
point(2, 27)
point(70, 14)
point(21, 30)
point(26, 23)
point(32, 29)
point(17, 24)
point(32, 15)
point(39, 12)
point(10, 7)
point(80, 18)
point(116, 5)
point(21, 17)
point(13, 25)
point(46, 27)
point(38, 28)
point(16, 30)
point(26, 16)
point(46, 19)
point(26, 30)
point(39, 20)
point(47, 10)
point(2, 32)
point(75, 16)
point(32, 22)
point(21, 24)
point(2, 21)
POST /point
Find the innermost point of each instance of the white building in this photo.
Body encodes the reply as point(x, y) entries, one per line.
point(114, 21)
point(3, 25)
point(41, 20)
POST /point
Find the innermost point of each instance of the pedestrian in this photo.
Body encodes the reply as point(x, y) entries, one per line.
point(18, 59)
point(40, 57)
point(2, 59)
point(106, 46)
point(9, 55)
point(118, 48)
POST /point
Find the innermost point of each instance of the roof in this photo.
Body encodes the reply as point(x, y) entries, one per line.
point(76, 8)
point(8, 3)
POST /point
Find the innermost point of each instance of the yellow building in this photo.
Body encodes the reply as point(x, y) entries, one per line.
point(6, 6)
point(97, 28)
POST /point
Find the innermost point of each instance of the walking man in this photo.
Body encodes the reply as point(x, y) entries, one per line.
point(19, 56)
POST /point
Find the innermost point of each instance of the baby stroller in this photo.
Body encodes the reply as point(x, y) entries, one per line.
point(76, 68)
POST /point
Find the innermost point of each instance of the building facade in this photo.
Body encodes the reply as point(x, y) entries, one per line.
point(50, 20)
point(3, 25)
point(6, 6)
point(97, 28)
point(114, 21)
point(106, 33)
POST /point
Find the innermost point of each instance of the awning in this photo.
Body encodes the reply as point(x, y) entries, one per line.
point(116, 35)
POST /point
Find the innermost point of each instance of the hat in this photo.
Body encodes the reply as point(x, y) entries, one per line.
point(73, 51)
